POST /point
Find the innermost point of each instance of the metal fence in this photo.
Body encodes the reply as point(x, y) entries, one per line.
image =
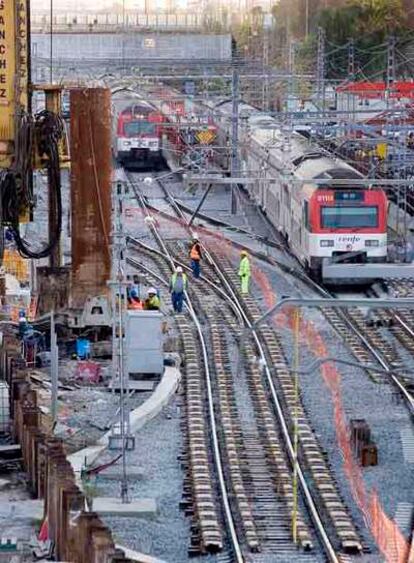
point(133, 47)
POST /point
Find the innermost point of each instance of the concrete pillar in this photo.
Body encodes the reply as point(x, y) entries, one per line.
point(90, 110)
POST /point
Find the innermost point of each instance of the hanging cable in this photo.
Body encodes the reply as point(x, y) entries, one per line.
point(15, 190)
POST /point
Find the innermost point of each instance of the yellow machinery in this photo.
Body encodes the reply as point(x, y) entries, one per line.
point(15, 89)
point(14, 75)
point(27, 141)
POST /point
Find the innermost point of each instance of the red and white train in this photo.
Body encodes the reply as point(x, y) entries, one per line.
point(169, 128)
point(137, 131)
point(320, 220)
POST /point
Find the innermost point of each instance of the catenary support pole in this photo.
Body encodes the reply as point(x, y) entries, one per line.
point(194, 215)
point(234, 164)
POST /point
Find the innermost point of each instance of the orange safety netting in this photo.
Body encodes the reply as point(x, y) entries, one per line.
point(385, 531)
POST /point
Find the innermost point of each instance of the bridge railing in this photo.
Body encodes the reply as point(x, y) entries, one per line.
point(114, 22)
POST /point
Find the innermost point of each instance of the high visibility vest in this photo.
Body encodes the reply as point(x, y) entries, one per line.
point(244, 268)
point(194, 253)
point(135, 305)
point(174, 279)
point(152, 303)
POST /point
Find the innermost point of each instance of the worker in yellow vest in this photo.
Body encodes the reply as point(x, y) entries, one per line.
point(178, 286)
point(152, 302)
point(244, 272)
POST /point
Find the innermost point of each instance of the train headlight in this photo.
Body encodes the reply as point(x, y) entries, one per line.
point(127, 143)
point(372, 243)
point(326, 243)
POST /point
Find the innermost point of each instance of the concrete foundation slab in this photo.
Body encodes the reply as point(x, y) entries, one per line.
point(111, 506)
point(147, 411)
point(86, 456)
point(115, 473)
point(367, 271)
point(138, 557)
point(139, 386)
point(139, 417)
point(22, 510)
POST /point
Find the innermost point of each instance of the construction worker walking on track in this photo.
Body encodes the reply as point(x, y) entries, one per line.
point(178, 285)
point(195, 255)
point(152, 302)
point(244, 272)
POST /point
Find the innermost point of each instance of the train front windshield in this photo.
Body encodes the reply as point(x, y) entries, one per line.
point(349, 217)
point(137, 128)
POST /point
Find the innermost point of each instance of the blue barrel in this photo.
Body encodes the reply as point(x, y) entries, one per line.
point(83, 348)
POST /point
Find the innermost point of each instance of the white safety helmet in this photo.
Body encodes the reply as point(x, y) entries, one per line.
point(179, 270)
point(152, 291)
point(195, 236)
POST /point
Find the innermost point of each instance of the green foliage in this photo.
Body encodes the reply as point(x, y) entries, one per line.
point(358, 17)
point(369, 23)
point(242, 35)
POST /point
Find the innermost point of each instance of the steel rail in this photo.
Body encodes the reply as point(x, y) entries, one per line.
point(369, 347)
point(180, 207)
point(405, 326)
point(260, 255)
point(214, 286)
point(212, 417)
point(330, 550)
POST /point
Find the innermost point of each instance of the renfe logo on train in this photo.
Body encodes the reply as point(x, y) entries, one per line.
point(352, 239)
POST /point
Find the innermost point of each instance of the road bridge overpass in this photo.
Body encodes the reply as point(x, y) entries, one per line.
point(133, 47)
point(118, 23)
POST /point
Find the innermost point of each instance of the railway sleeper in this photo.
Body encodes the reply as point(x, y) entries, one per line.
point(312, 450)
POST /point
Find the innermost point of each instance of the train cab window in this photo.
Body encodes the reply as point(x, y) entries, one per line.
point(349, 217)
point(97, 310)
point(139, 128)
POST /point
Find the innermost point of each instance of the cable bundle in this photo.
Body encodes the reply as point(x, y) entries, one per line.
point(16, 185)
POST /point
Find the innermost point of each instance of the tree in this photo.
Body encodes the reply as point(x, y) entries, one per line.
point(378, 16)
point(369, 23)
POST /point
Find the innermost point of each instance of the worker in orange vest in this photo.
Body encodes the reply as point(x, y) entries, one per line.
point(195, 256)
point(134, 301)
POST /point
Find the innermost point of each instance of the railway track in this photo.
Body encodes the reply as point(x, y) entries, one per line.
point(401, 323)
point(235, 450)
point(258, 453)
point(202, 468)
point(369, 346)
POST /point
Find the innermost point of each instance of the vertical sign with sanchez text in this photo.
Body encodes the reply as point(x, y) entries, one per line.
point(14, 57)
point(7, 77)
point(22, 54)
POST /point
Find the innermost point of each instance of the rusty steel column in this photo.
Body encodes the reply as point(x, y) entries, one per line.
point(91, 158)
point(53, 96)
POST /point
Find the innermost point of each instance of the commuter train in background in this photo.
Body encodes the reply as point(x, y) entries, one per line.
point(159, 125)
point(137, 131)
point(320, 221)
